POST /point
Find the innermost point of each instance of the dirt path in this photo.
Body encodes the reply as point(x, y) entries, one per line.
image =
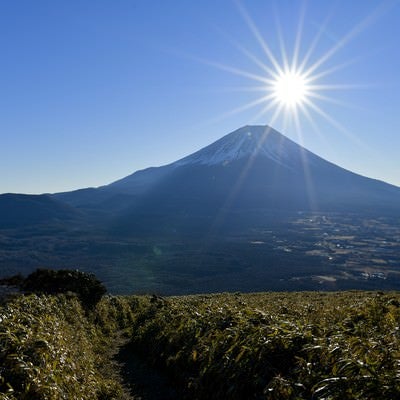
point(143, 381)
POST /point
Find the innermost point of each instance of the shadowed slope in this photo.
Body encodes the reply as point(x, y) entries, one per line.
point(22, 210)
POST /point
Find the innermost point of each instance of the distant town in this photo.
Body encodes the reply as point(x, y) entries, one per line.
point(359, 248)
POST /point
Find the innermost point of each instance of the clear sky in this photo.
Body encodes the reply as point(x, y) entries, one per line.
point(91, 91)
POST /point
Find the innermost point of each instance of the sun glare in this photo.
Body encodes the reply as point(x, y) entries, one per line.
point(290, 89)
point(293, 86)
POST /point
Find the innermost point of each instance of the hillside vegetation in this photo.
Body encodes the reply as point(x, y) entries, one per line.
point(276, 345)
point(224, 346)
point(50, 348)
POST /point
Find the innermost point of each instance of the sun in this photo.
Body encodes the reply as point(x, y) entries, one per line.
point(290, 89)
point(293, 86)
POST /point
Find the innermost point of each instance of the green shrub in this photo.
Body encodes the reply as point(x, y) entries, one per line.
point(47, 281)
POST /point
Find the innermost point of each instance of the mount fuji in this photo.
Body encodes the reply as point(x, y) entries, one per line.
point(253, 168)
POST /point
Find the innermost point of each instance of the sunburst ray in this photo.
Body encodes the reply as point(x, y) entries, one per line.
point(292, 85)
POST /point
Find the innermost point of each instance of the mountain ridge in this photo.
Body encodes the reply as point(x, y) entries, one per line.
point(263, 139)
point(23, 209)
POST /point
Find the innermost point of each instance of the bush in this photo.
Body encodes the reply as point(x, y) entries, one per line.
point(47, 281)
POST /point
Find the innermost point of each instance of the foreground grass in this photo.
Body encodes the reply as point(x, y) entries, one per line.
point(50, 348)
point(225, 346)
point(275, 345)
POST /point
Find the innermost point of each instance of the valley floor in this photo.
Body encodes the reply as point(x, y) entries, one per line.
point(291, 252)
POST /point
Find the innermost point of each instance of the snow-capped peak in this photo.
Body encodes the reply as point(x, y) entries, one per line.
point(248, 141)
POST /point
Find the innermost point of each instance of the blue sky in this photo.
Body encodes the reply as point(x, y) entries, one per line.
point(93, 90)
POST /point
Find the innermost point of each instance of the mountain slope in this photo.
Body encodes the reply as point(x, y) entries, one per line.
point(253, 168)
point(18, 210)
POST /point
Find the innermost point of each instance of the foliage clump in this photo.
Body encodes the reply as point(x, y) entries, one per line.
point(48, 281)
